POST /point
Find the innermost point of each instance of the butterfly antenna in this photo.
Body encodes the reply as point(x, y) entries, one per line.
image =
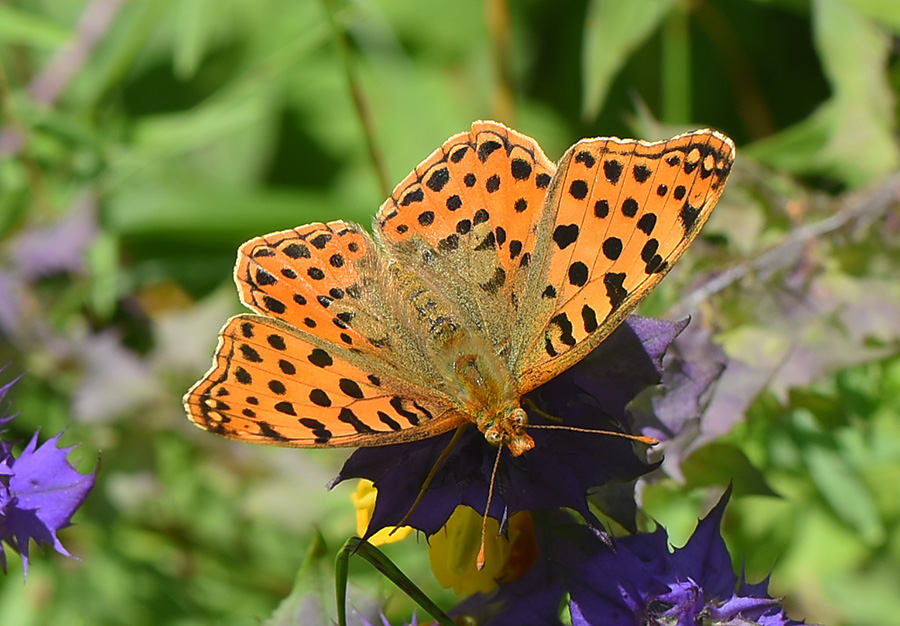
point(430, 478)
point(650, 441)
point(479, 562)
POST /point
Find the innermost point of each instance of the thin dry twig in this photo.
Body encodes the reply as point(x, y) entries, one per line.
point(47, 86)
point(500, 34)
point(862, 207)
point(360, 103)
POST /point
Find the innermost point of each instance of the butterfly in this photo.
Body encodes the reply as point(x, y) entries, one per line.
point(489, 271)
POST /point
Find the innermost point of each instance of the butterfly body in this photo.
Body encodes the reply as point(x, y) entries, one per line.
point(465, 367)
point(490, 271)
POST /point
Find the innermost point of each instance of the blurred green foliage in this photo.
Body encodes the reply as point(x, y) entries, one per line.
point(170, 132)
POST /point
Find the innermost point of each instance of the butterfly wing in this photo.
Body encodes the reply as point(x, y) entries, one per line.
point(620, 213)
point(271, 384)
point(466, 219)
point(326, 363)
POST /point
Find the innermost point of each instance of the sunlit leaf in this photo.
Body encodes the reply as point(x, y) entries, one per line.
point(612, 31)
point(19, 27)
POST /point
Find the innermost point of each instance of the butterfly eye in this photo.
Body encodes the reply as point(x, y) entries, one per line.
point(493, 437)
point(519, 417)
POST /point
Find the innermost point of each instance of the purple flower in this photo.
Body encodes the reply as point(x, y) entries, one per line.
point(39, 492)
point(636, 582)
point(642, 582)
point(560, 469)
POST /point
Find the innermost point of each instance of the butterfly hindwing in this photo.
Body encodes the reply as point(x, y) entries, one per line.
point(620, 213)
point(269, 384)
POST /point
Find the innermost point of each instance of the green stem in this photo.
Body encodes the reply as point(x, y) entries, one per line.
point(383, 564)
point(676, 67)
point(11, 124)
point(500, 34)
point(360, 103)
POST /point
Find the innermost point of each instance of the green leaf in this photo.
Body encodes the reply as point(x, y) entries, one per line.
point(202, 215)
point(849, 137)
point(721, 463)
point(193, 25)
point(19, 27)
point(845, 493)
point(134, 25)
point(854, 54)
point(309, 601)
point(612, 31)
point(886, 11)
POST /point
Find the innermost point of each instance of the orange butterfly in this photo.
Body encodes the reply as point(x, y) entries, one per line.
point(490, 272)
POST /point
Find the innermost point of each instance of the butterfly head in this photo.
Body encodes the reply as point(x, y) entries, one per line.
point(507, 428)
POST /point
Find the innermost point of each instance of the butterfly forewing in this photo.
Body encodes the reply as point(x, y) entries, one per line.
point(466, 219)
point(620, 213)
point(270, 385)
point(311, 277)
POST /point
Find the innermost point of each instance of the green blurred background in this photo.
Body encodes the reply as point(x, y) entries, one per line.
point(142, 141)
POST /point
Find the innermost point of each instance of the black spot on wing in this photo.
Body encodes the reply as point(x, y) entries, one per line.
point(458, 154)
point(349, 417)
point(647, 223)
point(417, 195)
point(615, 289)
point(319, 397)
point(438, 179)
point(264, 278)
point(688, 216)
point(565, 235)
point(630, 207)
point(521, 169)
point(496, 281)
point(322, 434)
point(562, 322)
point(641, 173)
point(487, 148)
point(397, 403)
point(320, 358)
point(250, 353)
point(274, 305)
point(578, 189)
point(320, 240)
point(589, 319)
point(297, 251)
point(586, 158)
point(386, 419)
point(578, 274)
point(350, 388)
point(612, 169)
point(612, 248)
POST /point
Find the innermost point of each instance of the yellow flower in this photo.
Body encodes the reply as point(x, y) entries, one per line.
point(364, 501)
point(453, 551)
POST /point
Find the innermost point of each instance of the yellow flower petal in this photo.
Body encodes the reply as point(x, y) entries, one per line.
point(453, 551)
point(364, 502)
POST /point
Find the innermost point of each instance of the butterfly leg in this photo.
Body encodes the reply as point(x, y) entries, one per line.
point(434, 468)
point(539, 411)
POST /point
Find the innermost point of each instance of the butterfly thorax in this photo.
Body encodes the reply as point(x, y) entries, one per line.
point(471, 370)
point(495, 413)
